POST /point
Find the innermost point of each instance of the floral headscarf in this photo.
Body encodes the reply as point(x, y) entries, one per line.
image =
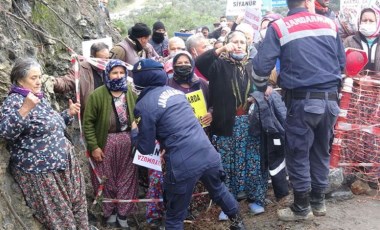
point(116, 84)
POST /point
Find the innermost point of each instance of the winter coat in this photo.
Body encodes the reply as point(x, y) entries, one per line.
point(355, 41)
point(126, 51)
point(268, 115)
point(220, 73)
point(97, 115)
point(164, 114)
point(66, 83)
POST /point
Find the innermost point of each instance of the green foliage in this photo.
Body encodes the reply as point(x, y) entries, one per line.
point(121, 26)
point(44, 17)
point(281, 10)
point(335, 5)
point(174, 20)
point(177, 14)
point(113, 4)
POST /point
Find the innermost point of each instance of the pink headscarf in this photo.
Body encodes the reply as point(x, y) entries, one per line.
point(376, 11)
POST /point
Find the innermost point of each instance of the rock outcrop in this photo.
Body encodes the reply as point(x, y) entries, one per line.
point(43, 29)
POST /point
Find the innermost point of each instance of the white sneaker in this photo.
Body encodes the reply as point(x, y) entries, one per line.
point(111, 219)
point(123, 223)
point(223, 216)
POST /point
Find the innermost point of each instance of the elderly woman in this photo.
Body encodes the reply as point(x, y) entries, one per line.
point(367, 39)
point(42, 160)
point(230, 78)
point(107, 119)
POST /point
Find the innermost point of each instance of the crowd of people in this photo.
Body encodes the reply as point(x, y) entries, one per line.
point(246, 135)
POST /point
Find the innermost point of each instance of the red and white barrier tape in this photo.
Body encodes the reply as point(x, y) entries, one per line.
point(353, 164)
point(107, 200)
point(373, 129)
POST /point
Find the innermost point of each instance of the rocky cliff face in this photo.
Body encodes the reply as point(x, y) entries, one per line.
point(43, 29)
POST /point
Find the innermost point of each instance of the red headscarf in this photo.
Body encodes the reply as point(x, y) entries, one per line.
point(320, 8)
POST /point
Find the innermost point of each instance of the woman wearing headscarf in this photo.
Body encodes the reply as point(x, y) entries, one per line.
point(230, 76)
point(185, 80)
point(367, 39)
point(107, 122)
point(266, 21)
point(42, 161)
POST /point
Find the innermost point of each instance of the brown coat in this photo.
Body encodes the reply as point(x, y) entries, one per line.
point(66, 83)
point(354, 41)
point(126, 52)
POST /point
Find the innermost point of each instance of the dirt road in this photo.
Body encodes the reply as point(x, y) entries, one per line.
point(125, 9)
point(361, 212)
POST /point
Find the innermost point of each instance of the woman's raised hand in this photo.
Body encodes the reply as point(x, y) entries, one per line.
point(74, 108)
point(29, 103)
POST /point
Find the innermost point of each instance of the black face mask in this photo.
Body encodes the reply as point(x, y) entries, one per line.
point(183, 74)
point(158, 37)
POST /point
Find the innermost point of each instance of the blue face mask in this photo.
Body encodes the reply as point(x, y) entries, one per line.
point(238, 57)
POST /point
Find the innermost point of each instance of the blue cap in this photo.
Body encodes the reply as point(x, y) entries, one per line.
point(148, 72)
point(146, 64)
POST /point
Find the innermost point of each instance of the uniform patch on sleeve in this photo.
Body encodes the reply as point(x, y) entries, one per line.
point(137, 120)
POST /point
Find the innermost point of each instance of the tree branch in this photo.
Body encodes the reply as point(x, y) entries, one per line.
point(47, 5)
point(37, 30)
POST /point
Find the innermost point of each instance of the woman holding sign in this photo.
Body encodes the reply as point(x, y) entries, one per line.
point(230, 76)
point(107, 122)
point(196, 88)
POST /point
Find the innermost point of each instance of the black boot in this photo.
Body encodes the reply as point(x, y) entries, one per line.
point(299, 210)
point(237, 223)
point(317, 203)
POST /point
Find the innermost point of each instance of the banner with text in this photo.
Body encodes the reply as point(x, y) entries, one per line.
point(86, 45)
point(350, 12)
point(252, 17)
point(198, 103)
point(236, 7)
point(151, 161)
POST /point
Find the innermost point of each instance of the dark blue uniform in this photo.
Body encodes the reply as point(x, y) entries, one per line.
point(165, 114)
point(312, 58)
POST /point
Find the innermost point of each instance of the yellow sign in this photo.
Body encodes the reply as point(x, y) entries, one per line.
point(198, 103)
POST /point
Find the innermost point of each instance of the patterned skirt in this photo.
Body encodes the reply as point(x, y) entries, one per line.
point(242, 162)
point(58, 199)
point(155, 211)
point(119, 172)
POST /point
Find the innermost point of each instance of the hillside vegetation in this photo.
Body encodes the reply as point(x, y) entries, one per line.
point(175, 14)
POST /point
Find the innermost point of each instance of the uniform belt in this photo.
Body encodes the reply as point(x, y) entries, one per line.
point(331, 96)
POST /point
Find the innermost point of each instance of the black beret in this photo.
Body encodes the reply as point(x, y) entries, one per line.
point(140, 30)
